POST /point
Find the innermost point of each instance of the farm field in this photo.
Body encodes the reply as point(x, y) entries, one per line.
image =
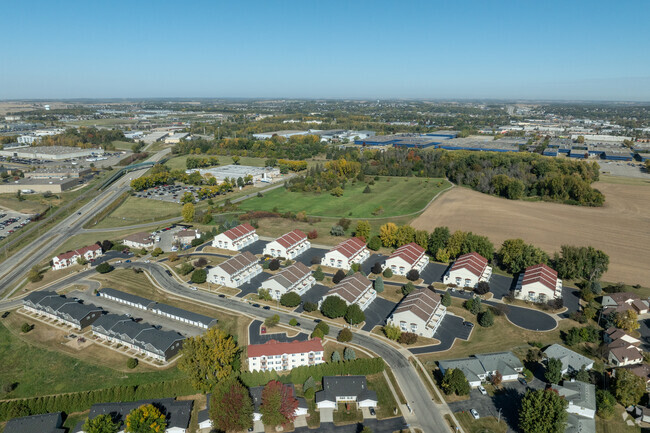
point(396, 196)
point(619, 228)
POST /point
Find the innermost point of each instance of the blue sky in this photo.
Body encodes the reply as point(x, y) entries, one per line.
point(593, 50)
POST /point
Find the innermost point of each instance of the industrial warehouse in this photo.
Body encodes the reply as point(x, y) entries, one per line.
point(51, 153)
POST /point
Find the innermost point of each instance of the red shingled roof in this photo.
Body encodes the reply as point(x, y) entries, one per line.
point(540, 274)
point(274, 347)
point(239, 231)
point(350, 247)
point(80, 252)
point(410, 253)
point(473, 262)
point(291, 239)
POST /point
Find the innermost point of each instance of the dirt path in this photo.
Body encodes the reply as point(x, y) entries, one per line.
point(621, 228)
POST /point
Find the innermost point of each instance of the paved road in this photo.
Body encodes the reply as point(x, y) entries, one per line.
point(377, 426)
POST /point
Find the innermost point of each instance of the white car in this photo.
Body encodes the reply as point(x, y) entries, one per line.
point(474, 413)
point(482, 390)
point(193, 288)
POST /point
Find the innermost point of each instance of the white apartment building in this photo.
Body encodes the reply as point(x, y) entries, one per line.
point(236, 238)
point(235, 271)
point(539, 283)
point(468, 270)
point(289, 246)
point(346, 253)
point(420, 312)
point(70, 258)
point(274, 355)
point(355, 289)
point(295, 278)
point(405, 258)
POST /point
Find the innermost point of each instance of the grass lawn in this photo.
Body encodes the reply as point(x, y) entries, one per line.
point(343, 416)
point(486, 424)
point(137, 210)
point(123, 145)
point(386, 403)
point(615, 424)
point(619, 180)
point(102, 122)
point(396, 196)
point(32, 203)
point(90, 238)
point(73, 418)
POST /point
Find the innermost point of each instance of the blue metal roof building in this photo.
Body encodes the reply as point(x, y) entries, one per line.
point(549, 152)
point(618, 155)
point(643, 157)
point(578, 153)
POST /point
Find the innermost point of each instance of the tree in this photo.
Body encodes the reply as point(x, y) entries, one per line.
point(293, 322)
point(354, 315)
point(318, 274)
point(606, 404)
point(337, 192)
point(367, 190)
point(587, 263)
point(231, 407)
point(106, 245)
point(199, 276)
point(34, 275)
point(515, 255)
point(82, 261)
point(156, 252)
point(553, 373)
point(407, 288)
point(337, 230)
point(101, 424)
point(290, 299)
point(627, 320)
point(413, 275)
point(408, 338)
point(345, 335)
point(338, 276)
point(310, 383)
point(272, 321)
point(274, 264)
point(333, 307)
point(132, 363)
point(200, 262)
point(542, 411)
point(455, 382)
point(583, 375)
point(628, 387)
point(392, 332)
point(404, 235)
point(208, 358)
point(438, 240)
point(26, 327)
point(278, 404)
point(145, 419)
point(422, 238)
point(187, 212)
point(374, 243)
point(446, 299)
point(309, 306)
point(486, 318)
point(387, 273)
point(379, 284)
point(324, 327)
point(336, 356)
point(235, 160)
point(104, 268)
point(473, 305)
point(496, 378)
point(363, 229)
point(387, 234)
point(482, 288)
point(349, 354)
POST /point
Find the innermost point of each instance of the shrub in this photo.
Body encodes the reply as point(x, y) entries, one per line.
point(309, 394)
point(318, 333)
point(388, 273)
point(354, 315)
point(309, 307)
point(413, 275)
point(408, 288)
point(293, 322)
point(173, 257)
point(408, 338)
point(333, 307)
point(345, 335)
point(338, 277)
point(323, 327)
point(345, 223)
point(318, 274)
point(379, 284)
point(392, 332)
point(482, 288)
point(199, 276)
point(337, 230)
point(132, 363)
point(272, 321)
point(200, 262)
point(185, 269)
point(156, 252)
point(367, 190)
point(290, 299)
point(312, 234)
point(264, 294)
point(486, 318)
point(274, 265)
point(446, 299)
point(374, 243)
point(104, 268)
point(26, 327)
point(349, 354)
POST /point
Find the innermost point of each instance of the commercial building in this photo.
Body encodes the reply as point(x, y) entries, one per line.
point(354, 289)
point(236, 238)
point(45, 423)
point(186, 236)
point(221, 173)
point(58, 173)
point(295, 278)
point(176, 412)
point(345, 254)
point(539, 283)
point(51, 153)
point(420, 312)
point(468, 270)
point(406, 258)
point(581, 399)
point(284, 134)
point(483, 144)
point(70, 258)
point(571, 361)
point(58, 307)
point(176, 137)
point(274, 355)
point(480, 368)
point(138, 336)
point(39, 185)
point(139, 240)
point(235, 271)
point(288, 246)
point(401, 140)
point(344, 389)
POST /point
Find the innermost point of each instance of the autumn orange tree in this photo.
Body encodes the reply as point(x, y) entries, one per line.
point(278, 404)
point(146, 419)
point(231, 407)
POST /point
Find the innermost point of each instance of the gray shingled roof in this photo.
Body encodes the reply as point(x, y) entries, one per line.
point(503, 362)
point(581, 394)
point(471, 367)
point(179, 312)
point(126, 296)
point(334, 386)
point(569, 358)
point(45, 423)
point(291, 274)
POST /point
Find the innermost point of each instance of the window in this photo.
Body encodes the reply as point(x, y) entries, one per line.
point(458, 280)
point(467, 281)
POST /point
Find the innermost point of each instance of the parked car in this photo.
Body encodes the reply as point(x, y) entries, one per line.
point(470, 324)
point(168, 272)
point(263, 330)
point(266, 307)
point(372, 411)
point(193, 288)
point(474, 413)
point(256, 305)
point(5, 314)
point(523, 381)
point(482, 390)
point(221, 295)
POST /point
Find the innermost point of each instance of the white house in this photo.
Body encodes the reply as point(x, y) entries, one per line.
point(622, 354)
point(355, 289)
point(407, 257)
point(581, 397)
point(346, 253)
point(295, 278)
point(235, 271)
point(139, 240)
point(236, 238)
point(480, 368)
point(420, 312)
point(344, 389)
point(623, 301)
point(289, 246)
point(70, 258)
point(185, 237)
point(571, 361)
point(274, 355)
point(468, 270)
point(539, 283)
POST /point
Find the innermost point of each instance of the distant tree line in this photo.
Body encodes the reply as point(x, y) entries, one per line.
point(85, 138)
point(298, 147)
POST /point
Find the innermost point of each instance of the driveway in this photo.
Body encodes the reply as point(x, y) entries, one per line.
point(450, 329)
point(377, 312)
point(369, 263)
point(314, 295)
point(644, 329)
point(306, 257)
point(253, 285)
point(384, 426)
point(110, 255)
point(527, 318)
point(501, 285)
point(255, 248)
point(433, 272)
point(571, 299)
point(255, 337)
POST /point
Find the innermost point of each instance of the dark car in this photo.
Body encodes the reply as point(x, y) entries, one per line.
point(256, 305)
point(5, 314)
point(372, 411)
point(470, 324)
point(221, 295)
point(523, 381)
point(127, 261)
point(168, 272)
point(266, 307)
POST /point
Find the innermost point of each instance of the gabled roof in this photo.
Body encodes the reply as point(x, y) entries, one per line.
point(45, 423)
point(623, 297)
point(540, 274)
point(186, 233)
point(239, 231)
point(256, 396)
point(177, 412)
point(569, 358)
point(505, 363)
point(179, 312)
point(350, 288)
point(471, 367)
point(410, 253)
point(579, 393)
point(274, 347)
point(236, 264)
point(348, 386)
point(473, 262)
point(139, 238)
point(79, 252)
point(421, 302)
point(641, 370)
point(61, 305)
point(349, 247)
point(623, 353)
point(126, 296)
point(291, 239)
point(291, 275)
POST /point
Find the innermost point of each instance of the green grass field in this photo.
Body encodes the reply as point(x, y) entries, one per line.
point(395, 195)
point(123, 145)
point(385, 400)
point(137, 210)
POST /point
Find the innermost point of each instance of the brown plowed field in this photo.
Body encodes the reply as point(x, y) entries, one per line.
point(621, 227)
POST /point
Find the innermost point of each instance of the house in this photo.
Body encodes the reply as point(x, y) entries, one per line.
point(141, 337)
point(186, 236)
point(624, 301)
point(355, 289)
point(468, 270)
point(235, 271)
point(139, 240)
point(295, 278)
point(420, 312)
point(345, 254)
point(289, 245)
point(256, 396)
point(581, 397)
point(176, 412)
point(236, 238)
point(621, 354)
point(274, 355)
point(205, 423)
point(539, 283)
point(571, 361)
point(405, 258)
point(642, 371)
point(612, 335)
point(344, 389)
point(45, 423)
point(480, 368)
point(90, 252)
point(58, 307)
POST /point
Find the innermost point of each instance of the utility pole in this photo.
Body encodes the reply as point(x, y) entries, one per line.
point(499, 418)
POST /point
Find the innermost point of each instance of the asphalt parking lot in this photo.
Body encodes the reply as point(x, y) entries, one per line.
point(389, 425)
point(11, 222)
point(315, 294)
point(306, 257)
point(169, 193)
point(110, 255)
point(255, 335)
point(253, 284)
point(377, 312)
point(449, 330)
point(433, 272)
